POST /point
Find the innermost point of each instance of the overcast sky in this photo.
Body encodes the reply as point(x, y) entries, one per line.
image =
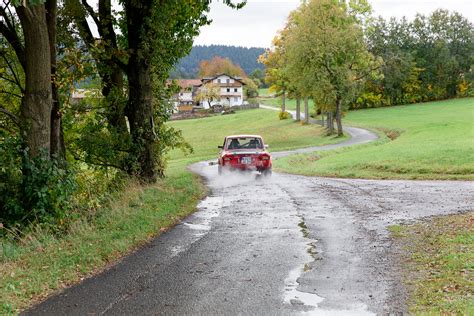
point(257, 23)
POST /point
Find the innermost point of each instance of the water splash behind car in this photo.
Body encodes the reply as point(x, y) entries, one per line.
point(245, 153)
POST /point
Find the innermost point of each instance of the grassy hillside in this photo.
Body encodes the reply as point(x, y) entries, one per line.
point(430, 141)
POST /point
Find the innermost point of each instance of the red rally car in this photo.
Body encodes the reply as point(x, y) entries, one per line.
point(245, 152)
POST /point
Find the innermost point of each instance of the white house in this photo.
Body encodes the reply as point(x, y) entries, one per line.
point(231, 90)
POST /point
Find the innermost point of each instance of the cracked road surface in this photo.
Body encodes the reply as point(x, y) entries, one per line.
point(285, 245)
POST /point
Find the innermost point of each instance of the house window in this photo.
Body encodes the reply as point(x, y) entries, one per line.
point(235, 90)
point(219, 80)
point(227, 80)
point(228, 90)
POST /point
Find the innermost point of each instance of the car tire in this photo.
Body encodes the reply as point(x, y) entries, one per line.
point(267, 172)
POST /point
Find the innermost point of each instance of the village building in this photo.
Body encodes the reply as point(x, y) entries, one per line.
point(231, 90)
point(184, 99)
point(231, 93)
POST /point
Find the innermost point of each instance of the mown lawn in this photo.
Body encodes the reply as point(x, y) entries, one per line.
point(264, 92)
point(430, 141)
point(290, 104)
point(39, 263)
point(438, 263)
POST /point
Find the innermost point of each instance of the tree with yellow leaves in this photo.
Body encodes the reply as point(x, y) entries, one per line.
point(326, 56)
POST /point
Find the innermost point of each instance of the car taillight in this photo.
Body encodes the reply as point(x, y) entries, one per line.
point(227, 158)
point(265, 157)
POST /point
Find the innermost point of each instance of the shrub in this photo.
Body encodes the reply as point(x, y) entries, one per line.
point(32, 190)
point(10, 178)
point(284, 115)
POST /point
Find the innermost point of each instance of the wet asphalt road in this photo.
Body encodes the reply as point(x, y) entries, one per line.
point(271, 246)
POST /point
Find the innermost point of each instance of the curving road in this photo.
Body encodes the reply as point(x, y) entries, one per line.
point(281, 246)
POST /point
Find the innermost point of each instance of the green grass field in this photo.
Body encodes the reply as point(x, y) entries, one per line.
point(134, 217)
point(264, 92)
point(206, 134)
point(290, 104)
point(435, 141)
point(267, 98)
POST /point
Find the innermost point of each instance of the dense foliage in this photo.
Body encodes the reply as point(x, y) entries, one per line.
point(58, 154)
point(429, 58)
point(246, 58)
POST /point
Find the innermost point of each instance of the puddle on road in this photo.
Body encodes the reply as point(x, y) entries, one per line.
point(208, 209)
point(356, 310)
point(176, 250)
point(200, 222)
point(294, 297)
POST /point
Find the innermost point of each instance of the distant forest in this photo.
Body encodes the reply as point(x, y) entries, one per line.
point(246, 58)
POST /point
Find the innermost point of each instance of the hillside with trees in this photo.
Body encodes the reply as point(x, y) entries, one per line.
point(246, 58)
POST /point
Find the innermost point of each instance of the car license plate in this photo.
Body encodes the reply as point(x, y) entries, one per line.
point(246, 160)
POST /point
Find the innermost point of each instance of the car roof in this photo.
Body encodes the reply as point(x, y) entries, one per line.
point(243, 136)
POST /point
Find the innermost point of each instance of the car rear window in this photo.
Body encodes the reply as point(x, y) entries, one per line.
point(244, 143)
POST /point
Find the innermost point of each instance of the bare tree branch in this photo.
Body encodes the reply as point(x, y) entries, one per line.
point(12, 116)
point(14, 72)
point(8, 79)
point(11, 93)
point(12, 37)
point(367, 73)
point(93, 15)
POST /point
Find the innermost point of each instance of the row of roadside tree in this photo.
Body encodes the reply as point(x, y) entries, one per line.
point(336, 53)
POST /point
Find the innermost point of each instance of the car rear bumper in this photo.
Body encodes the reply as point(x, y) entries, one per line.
point(250, 167)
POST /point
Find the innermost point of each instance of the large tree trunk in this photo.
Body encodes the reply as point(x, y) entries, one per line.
point(112, 90)
point(339, 116)
point(140, 114)
point(283, 100)
point(330, 123)
point(140, 107)
point(36, 104)
point(57, 140)
point(298, 109)
point(112, 75)
point(306, 110)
